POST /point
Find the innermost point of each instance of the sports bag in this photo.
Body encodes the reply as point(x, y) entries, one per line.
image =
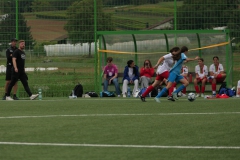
point(78, 90)
point(107, 94)
point(224, 90)
point(92, 94)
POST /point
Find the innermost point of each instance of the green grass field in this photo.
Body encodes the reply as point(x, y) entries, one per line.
point(117, 128)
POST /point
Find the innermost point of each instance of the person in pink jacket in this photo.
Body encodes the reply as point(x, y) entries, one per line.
point(146, 74)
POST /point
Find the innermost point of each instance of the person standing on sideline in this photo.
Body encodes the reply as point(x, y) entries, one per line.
point(146, 74)
point(217, 74)
point(111, 76)
point(18, 71)
point(130, 75)
point(175, 75)
point(9, 53)
point(201, 71)
point(163, 66)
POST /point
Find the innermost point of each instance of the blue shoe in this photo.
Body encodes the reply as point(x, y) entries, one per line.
point(157, 100)
point(174, 96)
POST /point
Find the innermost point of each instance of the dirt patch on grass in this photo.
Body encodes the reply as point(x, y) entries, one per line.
point(46, 30)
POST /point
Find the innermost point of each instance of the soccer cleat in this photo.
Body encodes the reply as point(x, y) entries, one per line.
point(8, 98)
point(197, 95)
point(157, 100)
point(142, 98)
point(184, 95)
point(4, 98)
point(124, 95)
point(174, 95)
point(202, 95)
point(34, 96)
point(170, 98)
point(119, 96)
point(15, 98)
point(213, 95)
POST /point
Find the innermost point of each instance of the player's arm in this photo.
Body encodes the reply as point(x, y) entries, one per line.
point(15, 64)
point(115, 76)
point(191, 59)
point(206, 71)
point(160, 60)
point(222, 70)
point(8, 54)
point(196, 72)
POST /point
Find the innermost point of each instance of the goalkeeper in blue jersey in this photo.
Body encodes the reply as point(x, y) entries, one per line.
point(175, 73)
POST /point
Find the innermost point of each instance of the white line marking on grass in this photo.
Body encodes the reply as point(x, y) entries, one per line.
point(111, 115)
point(119, 146)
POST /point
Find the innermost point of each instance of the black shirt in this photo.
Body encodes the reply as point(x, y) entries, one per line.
point(9, 53)
point(20, 59)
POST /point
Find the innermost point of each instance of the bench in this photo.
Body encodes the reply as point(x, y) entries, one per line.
point(190, 87)
point(191, 77)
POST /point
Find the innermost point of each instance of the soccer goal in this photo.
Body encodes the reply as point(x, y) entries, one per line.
point(142, 45)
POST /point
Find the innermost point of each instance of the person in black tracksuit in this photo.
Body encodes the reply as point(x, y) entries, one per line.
point(9, 66)
point(18, 71)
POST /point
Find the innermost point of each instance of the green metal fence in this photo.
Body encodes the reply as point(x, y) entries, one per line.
point(151, 45)
point(61, 33)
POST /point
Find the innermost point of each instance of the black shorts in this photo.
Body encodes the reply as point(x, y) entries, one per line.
point(8, 73)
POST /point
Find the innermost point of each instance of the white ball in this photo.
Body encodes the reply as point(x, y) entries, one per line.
point(191, 97)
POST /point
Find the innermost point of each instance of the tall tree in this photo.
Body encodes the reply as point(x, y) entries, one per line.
point(8, 30)
point(80, 22)
point(206, 14)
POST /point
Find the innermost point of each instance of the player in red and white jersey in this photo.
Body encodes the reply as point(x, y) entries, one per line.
point(163, 66)
point(201, 71)
point(217, 74)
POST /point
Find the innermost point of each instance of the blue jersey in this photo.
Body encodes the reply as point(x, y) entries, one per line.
point(178, 66)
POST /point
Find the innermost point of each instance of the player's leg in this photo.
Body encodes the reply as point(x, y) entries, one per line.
point(184, 85)
point(171, 79)
point(196, 80)
point(135, 88)
point(172, 88)
point(184, 91)
point(204, 80)
point(15, 88)
point(8, 80)
point(24, 81)
point(144, 81)
point(214, 86)
point(124, 87)
point(220, 77)
point(10, 86)
point(149, 89)
point(163, 91)
point(6, 88)
point(117, 88)
point(105, 84)
point(157, 81)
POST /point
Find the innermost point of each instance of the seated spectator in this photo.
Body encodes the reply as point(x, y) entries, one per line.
point(111, 76)
point(146, 74)
point(217, 74)
point(130, 75)
point(201, 71)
